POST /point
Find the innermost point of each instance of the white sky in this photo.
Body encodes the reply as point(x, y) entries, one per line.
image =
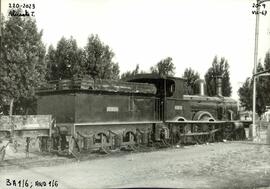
point(143, 32)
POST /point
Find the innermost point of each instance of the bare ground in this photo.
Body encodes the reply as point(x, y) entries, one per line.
point(219, 165)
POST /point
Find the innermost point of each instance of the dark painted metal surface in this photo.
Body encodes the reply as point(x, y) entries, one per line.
point(79, 107)
point(60, 106)
point(91, 107)
point(178, 108)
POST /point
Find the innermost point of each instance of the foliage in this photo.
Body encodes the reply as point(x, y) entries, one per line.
point(98, 61)
point(69, 61)
point(219, 68)
point(262, 89)
point(191, 76)
point(266, 80)
point(64, 62)
point(164, 67)
point(130, 74)
point(267, 61)
point(260, 83)
point(22, 65)
point(245, 93)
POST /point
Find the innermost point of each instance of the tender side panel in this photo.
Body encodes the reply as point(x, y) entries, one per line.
point(60, 106)
point(90, 107)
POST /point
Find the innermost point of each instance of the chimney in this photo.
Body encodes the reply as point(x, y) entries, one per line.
point(200, 85)
point(219, 85)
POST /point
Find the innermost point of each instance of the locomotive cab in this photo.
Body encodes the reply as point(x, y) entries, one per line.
point(170, 91)
point(166, 86)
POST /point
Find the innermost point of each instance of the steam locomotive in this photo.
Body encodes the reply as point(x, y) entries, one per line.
point(85, 114)
point(93, 114)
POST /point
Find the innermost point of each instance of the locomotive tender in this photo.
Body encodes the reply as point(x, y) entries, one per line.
point(85, 114)
point(146, 109)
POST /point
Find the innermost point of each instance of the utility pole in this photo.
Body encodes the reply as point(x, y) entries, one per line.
point(259, 2)
point(255, 70)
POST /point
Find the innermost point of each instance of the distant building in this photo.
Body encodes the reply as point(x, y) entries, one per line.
point(246, 115)
point(266, 115)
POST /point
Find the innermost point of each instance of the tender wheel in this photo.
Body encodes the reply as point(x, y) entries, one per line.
point(129, 137)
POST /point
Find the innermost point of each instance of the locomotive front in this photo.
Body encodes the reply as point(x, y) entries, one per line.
point(192, 118)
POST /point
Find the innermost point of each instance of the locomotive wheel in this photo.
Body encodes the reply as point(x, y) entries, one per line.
point(185, 130)
point(240, 134)
point(205, 128)
point(116, 141)
point(228, 132)
point(45, 144)
point(103, 139)
point(218, 137)
point(201, 139)
point(211, 135)
point(174, 134)
point(203, 116)
point(129, 137)
point(73, 147)
point(105, 143)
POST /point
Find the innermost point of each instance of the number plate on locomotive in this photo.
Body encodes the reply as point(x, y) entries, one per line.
point(178, 107)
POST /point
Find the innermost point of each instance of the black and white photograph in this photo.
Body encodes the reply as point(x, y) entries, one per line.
point(134, 94)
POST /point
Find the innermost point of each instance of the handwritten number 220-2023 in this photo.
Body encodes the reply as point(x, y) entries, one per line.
point(24, 6)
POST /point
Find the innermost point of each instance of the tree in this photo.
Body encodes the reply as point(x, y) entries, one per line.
point(97, 61)
point(164, 67)
point(69, 61)
point(22, 65)
point(65, 61)
point(191, 76)
point(219, 68)
point(51, 64)
point(267, 61)
point(130, 74)
point(245, 92)
point(266, 80)
point(262, 89)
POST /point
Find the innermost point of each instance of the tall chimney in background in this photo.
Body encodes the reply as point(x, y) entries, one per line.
point(219, 85)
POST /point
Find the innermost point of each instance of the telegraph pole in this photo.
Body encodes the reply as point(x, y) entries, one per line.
point(255, 69)
point(259, 2)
